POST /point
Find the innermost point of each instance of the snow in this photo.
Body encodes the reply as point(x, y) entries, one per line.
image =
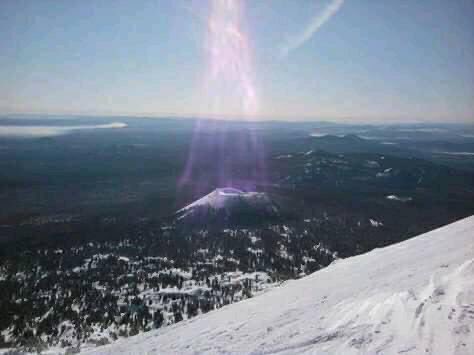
point(177, 272)
point(398, 198)
point(318, 135)
point(385, 173)
point(414, 297)
point(254, 239)
point(224, 197)
point(192, 290)
point(286, 156)
point(375, 223)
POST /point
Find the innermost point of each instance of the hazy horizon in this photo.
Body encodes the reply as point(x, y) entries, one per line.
point(239, 119)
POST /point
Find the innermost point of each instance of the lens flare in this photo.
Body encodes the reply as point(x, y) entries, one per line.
point(230, 80)
point(223, 154)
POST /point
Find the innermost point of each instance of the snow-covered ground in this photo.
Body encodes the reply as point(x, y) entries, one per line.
point(415, 297)
point(221, 197)
point(398, 198)
point(227, 198)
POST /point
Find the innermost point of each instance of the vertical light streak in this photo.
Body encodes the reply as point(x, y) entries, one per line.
point(229, 89)
point(230, 79)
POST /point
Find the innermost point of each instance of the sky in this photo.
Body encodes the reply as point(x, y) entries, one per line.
point(361, 60)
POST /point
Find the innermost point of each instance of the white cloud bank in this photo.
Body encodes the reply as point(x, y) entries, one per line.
point(314, 25)
point(50, 131)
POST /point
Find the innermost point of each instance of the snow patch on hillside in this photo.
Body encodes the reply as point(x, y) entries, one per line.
point(398, 198)
point(221, 197)
point(229, 199)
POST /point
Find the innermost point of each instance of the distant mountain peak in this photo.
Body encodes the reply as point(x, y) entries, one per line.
point(221, 196)
point(229, 201)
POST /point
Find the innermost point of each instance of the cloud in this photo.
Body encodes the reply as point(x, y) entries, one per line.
point(314, 25)
point(51, 131)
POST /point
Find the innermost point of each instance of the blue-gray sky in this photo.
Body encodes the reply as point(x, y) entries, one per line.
point(397, 60)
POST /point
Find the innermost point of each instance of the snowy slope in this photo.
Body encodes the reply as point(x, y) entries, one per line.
point(228, 198)
point(221, 197)
point(415, 297)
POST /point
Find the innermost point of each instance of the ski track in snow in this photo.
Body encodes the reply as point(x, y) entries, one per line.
point(414, 297)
